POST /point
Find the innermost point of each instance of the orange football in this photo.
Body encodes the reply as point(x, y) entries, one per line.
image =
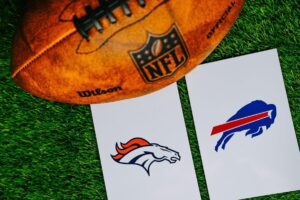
point(92, 51)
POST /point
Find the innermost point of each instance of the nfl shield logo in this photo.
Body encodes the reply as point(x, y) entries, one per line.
point(162, 56)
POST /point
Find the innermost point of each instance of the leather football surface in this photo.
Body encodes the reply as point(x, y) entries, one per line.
point(85, 51)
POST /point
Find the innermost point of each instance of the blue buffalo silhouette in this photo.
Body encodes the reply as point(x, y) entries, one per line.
point(255, 128)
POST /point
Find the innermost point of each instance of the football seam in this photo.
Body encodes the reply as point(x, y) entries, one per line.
point(56, 42)
point(41, 53)
point(121, 29)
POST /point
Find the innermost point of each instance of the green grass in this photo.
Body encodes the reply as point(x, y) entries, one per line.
point(48, 150)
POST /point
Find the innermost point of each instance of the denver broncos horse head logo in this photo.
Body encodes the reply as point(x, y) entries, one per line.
point(139, 151)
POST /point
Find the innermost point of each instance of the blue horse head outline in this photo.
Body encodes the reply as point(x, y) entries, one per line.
point(139, 151)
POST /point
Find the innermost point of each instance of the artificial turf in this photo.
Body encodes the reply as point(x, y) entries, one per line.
point(48, 150)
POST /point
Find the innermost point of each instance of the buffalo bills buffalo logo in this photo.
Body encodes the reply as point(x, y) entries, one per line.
point(139, 151)
point(250, 118)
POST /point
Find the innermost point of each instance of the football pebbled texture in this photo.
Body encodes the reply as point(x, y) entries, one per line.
point(94, 51)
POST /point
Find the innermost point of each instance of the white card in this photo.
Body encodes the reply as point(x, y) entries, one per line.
point(237, 97)
point(153, 160)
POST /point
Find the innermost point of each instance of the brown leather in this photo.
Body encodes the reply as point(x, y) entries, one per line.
point(53, 61)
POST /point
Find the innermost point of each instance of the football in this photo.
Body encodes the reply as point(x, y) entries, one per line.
point(94, 51)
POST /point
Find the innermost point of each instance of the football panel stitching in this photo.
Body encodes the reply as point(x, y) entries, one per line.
point(120, 30)
point(42, 52)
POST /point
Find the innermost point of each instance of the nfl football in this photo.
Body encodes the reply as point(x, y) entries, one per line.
point(93, 51)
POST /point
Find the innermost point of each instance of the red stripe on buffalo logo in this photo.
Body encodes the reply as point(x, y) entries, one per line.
point(240, 122)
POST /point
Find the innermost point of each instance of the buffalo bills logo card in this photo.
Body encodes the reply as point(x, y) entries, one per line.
point(244, 127)
point(144, 148)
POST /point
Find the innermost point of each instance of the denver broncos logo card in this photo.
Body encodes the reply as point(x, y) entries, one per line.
point(144, 148)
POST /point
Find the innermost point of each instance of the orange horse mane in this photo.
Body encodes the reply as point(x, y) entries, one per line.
point(129, 146)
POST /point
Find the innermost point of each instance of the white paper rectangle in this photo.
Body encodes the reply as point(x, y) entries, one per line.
point(157, 118)
point(236, 90)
